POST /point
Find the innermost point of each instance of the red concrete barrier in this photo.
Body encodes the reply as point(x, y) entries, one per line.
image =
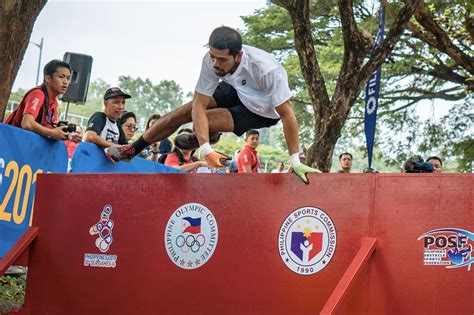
point(239, 244)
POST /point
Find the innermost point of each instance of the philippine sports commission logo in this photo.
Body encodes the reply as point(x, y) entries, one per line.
point(307, 240)
point(191, 236)
point(448, 247)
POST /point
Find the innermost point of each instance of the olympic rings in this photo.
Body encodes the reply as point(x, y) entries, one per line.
point(192, 242)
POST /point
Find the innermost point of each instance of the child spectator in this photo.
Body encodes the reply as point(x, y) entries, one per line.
point(38, 110)
point(181, 158)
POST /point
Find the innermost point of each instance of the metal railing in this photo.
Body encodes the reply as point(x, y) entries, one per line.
point(78, 119)
point(11, 105)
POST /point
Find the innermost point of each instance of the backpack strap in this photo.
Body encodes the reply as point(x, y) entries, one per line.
point(45, 104)
point(44, 109)
point(162, 157)
point(256, 160)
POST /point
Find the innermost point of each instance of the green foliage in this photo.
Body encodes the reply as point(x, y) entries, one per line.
point(464, 150)
point(270, 156)
point(410, 74)
point(17, 96)
point(147, 99)
point(12, 288)
point(95, 97)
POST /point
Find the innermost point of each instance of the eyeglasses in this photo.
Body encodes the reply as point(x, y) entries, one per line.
point(130, 127)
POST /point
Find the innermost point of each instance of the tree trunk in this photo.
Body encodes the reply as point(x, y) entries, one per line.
point(16, 23)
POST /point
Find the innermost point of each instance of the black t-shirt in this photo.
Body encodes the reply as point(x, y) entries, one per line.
point(106, 128)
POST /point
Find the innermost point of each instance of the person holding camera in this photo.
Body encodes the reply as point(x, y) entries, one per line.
point(104, 128)
point(38, 110)
point(416, 164)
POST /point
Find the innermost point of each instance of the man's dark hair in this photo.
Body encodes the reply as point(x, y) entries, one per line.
point(225, 37)
point(345, 153)
point(126, 116)
point(435, 158)
point(50, 67)
point(154, 116)
point(251, 132)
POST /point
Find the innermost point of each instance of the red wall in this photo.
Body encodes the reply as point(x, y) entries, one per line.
point(245, 273)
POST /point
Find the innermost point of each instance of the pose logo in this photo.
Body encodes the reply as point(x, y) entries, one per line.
point(450, 247)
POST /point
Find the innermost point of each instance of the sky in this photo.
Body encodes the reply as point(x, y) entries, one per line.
point(159, 40)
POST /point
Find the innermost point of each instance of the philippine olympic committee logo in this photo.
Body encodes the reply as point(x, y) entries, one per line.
point(191, 236)
point(449, 247)
point(307, 240)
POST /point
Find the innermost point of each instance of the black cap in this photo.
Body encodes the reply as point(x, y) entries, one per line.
point(114, 92)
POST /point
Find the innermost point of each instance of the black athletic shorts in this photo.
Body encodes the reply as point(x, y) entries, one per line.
point(244, 120)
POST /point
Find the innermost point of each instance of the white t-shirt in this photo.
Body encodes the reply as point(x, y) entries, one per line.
point(111, 131)
point(261, 82)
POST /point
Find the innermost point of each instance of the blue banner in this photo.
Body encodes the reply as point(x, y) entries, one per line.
point(23, 155)
point(372, 93)
point(89, 158)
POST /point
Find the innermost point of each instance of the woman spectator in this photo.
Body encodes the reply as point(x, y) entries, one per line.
point(128, 122)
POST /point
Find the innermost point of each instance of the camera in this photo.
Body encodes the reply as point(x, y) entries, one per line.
point(67, 126)
point(416, 164)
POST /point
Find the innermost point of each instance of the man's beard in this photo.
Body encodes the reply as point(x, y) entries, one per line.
point(222, 73)
point(219, 73)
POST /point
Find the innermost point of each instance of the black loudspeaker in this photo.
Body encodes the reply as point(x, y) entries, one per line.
point(81, 72)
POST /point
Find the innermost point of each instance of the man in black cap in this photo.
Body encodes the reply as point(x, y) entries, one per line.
point(103, 128)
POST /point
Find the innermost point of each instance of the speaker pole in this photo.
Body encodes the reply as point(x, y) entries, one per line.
point(67, 109)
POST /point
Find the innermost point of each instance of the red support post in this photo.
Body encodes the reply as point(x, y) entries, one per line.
point(342, 288)
point(17, 249)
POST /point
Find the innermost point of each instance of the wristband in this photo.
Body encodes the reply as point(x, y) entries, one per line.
point(154, 152)
point(295, 160)
point(205, 149)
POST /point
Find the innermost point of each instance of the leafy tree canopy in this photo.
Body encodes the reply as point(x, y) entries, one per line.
point(431, 61)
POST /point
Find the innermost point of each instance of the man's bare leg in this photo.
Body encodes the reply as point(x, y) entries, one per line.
point(220, 120)
point(169, 123)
